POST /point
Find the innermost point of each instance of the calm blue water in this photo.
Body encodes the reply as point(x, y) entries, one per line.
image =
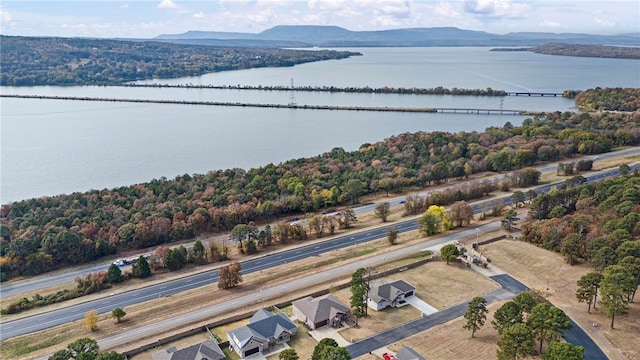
point(51, 147)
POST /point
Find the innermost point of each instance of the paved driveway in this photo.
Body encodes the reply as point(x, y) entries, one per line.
point(417, 303)
point(510, 288)
point(329, 332)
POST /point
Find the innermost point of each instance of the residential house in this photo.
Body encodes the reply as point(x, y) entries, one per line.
point(383, 295)
point(321, 311)
point(407, 353)
point(207, 350)
point(264, 331)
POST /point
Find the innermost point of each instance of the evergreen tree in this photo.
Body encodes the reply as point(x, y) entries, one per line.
point(322, 344)
point(359, 292)
point(516, 342)
point(588, 288)
point(476, 314)
point(563, 351)
point(615, 290)
point(507, 315)
point(288, 354)
point(114, 274)
point(546, 322)
point(141, 268)
point(118, 313)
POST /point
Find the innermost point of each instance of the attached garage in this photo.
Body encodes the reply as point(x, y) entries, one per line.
point(320, 324)
point(251, 351)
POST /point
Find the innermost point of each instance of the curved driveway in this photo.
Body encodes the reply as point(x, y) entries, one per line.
point(509, 288)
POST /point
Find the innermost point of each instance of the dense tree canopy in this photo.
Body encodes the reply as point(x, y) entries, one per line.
point(611, 99)
point(28, 61)
point(46, 233)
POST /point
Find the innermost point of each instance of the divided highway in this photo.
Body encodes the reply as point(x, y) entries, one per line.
point(53, 279)
point(64, 315)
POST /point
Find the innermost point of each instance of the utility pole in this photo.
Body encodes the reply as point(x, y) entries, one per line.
point(292, 96)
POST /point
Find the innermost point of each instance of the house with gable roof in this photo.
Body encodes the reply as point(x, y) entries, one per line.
point(264, 331)
point(321, 311)
point(206, 350)
point(383, 295)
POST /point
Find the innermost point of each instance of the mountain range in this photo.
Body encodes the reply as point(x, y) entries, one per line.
point(334, 36)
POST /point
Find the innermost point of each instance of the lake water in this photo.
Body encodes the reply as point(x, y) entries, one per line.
point(51, 147)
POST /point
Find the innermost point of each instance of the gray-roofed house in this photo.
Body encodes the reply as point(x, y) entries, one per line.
point(407, 353)
point(264, 331)
point(207, 350)
point(321, 311)
point(383, 295)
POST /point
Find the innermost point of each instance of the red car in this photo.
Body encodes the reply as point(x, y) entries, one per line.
point(387, 356)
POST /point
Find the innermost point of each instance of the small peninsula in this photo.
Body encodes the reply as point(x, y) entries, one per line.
point(602, 51)
point(29, 61)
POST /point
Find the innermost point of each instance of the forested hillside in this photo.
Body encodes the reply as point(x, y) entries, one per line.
point(40, 234)
point(596, 222)
point(28, 61)
point(618, 52)
point(609, 99)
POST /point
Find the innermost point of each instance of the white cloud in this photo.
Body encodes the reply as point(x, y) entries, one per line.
point(198, 15)
point(324, 5)
point(496, 8)
point(5, 16)
point(124, 6)
point(603, 22)
point(167, 4)
point(549, 24)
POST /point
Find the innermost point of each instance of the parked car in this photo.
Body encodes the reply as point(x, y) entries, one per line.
point(388, 356)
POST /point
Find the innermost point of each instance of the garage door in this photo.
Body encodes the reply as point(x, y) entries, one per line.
point(321, 323)
point(251, 352)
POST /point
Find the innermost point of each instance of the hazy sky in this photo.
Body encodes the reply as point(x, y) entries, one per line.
point(145, 19)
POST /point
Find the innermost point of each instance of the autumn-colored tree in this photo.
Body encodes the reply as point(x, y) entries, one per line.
point(91, 320)
point(382, 211)
point(392, 235)
point(348, 218)
point(434, 220)
point(229, 276)
point(460, 213)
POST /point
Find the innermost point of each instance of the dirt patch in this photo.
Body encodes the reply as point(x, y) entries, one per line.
point(548, 272)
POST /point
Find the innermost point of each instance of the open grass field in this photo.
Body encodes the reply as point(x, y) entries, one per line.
point(452, 341)
point(536, 267)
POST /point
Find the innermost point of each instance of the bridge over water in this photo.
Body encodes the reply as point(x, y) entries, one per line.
point(286, 106)
point(525, 93)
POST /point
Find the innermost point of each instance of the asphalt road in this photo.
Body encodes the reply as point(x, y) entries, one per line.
point(75, 312)
point(54, 279)
point(238, 305)
point(510, 288)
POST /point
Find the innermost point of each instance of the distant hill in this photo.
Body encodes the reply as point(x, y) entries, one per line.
point(334, 36)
